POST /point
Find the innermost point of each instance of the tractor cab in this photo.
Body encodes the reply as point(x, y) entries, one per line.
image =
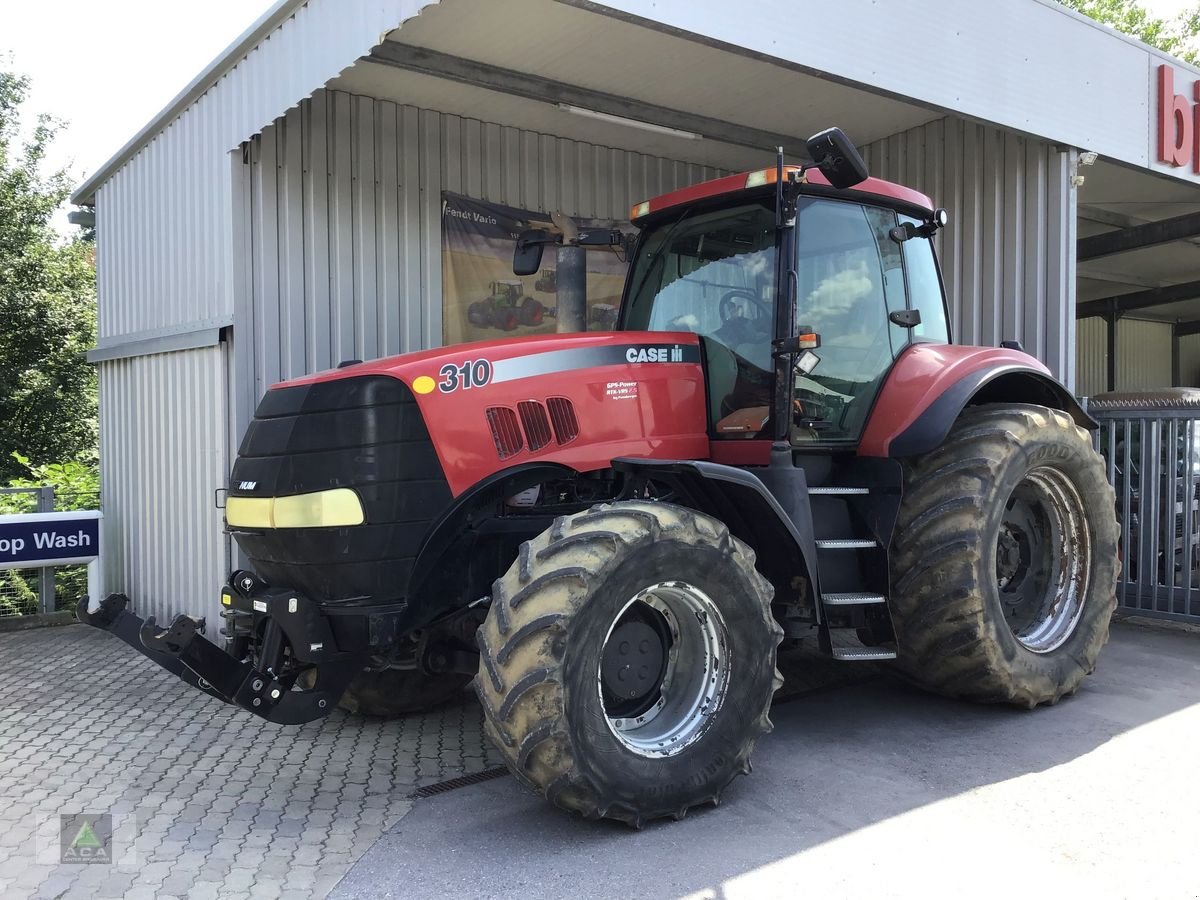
point(854, 271)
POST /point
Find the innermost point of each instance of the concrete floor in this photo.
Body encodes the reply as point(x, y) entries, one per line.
point(210, 802)
point(871, 790)
point(866, 788)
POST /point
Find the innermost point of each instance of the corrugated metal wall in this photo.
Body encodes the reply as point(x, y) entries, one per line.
point(1144, 357)
point(1143, 354)
point(1189, 361)
point(1009, 252)
point(164, 232)
point(161, 460)
point(1091, 356)
point(345, 220)
point(167, 258)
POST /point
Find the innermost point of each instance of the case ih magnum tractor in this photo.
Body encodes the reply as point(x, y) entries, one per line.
point(611, 533)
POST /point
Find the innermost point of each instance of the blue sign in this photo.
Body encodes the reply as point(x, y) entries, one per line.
point(47, 539)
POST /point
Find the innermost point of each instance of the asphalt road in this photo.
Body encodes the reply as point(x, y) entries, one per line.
point(871, 790)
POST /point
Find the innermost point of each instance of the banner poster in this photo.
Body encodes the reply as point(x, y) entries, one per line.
point(481, 297)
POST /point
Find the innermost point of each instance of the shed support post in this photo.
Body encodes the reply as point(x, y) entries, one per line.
point(572, 289)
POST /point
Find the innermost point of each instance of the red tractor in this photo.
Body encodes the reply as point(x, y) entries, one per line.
point(611, 533)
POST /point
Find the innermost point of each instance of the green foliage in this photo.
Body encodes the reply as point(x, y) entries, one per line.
point(76, 485)
point(1175, 35)
point(47, 302)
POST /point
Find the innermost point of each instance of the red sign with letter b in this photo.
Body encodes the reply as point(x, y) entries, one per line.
point(1178, 122)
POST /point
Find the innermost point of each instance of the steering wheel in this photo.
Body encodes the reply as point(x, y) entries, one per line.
point(729, 309)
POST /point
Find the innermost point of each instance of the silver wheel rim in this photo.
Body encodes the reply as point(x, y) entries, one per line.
point(694, 679)
point(1043, 560)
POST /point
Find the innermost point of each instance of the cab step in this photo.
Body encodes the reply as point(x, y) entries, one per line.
point(852, 599)
point(862, 654)
point(846, 544)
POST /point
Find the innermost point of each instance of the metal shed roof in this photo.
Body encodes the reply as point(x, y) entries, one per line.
point(1030, 47)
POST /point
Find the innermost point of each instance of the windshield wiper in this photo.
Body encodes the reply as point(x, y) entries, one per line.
point(658, 252)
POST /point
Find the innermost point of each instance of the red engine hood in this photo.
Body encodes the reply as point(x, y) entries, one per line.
point(638, 394)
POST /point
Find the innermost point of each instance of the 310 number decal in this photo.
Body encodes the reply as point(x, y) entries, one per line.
point(466, 376)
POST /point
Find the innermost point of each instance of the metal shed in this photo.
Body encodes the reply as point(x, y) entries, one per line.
point(283, 213)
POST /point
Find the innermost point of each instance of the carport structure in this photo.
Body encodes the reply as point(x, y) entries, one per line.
point(284, 212)
point(1138, 280)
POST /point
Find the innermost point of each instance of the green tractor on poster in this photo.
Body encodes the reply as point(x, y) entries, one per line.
point(506, 307)
point(547, 282)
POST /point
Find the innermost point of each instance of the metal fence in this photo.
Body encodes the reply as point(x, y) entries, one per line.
point(26, 592)
point(1151, 446)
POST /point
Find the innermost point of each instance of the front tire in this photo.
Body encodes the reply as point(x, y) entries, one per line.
point(1004, 563)
point(627, 663)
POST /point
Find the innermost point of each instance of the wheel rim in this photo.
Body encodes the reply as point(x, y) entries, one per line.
point(1043, 557)
point(663, 669)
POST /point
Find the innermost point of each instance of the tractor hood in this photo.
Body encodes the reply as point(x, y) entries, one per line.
point(580, 400)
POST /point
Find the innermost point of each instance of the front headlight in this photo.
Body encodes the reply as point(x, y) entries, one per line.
point(336, 508)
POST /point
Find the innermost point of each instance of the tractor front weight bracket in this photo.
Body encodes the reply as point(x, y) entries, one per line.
point(182, 650)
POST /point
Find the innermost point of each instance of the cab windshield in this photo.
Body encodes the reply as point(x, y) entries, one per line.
point(714, 274)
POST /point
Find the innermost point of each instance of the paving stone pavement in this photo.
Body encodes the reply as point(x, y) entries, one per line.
point(221, 803)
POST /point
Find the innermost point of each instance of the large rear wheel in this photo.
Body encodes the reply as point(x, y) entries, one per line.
point(1004, 563)
point(628, 661)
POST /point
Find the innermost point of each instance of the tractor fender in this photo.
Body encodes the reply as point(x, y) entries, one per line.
point(775, 520)
point(931, 384)
point(476, 500)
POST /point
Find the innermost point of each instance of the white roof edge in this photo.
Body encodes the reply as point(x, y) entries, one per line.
point(1120, 35)
point(212, 73)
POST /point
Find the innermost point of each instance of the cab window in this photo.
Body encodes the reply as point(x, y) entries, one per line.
point(850, 275)
point(925, 289)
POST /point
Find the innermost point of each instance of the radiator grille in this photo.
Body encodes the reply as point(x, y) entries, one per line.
point(505, 431)
point(562, 417)
point(535, 423)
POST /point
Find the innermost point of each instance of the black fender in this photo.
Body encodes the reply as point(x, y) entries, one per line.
point(477, 500)
point(776, 520)
point(998, 384)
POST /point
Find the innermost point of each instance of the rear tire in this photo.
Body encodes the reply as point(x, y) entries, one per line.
point(1011, 512)
point(551, 652)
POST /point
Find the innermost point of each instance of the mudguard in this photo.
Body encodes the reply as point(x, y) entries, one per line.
point(931, 384)
point(775, 520)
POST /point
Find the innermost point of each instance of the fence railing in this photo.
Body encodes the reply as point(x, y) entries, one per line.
point(1153, 461)
point(25, 592)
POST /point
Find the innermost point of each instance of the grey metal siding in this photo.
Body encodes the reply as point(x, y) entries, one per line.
point(345, 220)
point(1189, 361)
point(163, 454)
point(1091, 356)
point(165, 247)
point(1143, 354)
point(1032, 67)
point(1008, 255)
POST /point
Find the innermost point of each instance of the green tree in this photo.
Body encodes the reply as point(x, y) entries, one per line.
point(47, 303)
point(1175, 35)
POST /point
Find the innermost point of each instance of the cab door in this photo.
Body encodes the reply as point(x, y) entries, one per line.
point(850, 276)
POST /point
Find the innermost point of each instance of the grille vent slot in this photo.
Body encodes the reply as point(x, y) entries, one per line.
point(536, 424)
point(506, 432)
point(562, 417)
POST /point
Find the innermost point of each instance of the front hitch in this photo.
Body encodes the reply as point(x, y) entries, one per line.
point(181, 650)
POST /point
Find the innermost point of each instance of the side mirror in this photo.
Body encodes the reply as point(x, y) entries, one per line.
point(527, 257)
point(837, 158)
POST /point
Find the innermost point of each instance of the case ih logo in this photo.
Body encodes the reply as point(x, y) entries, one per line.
point(1178, 122)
